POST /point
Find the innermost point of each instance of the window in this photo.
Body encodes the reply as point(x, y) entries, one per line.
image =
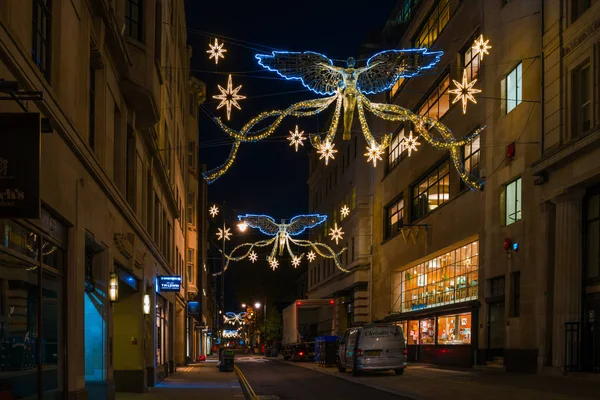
point(438, 102)
point(515, 294)
point(193, 104)
point(578, 7)
point(190, 273)
point(394, 217)
point(42, 18)
point(408, 10)
point(353, 248)
point(432, 191)
point(582, 105)
point(436, 21)
point(395, 151)
point(512, 89)
point(512, 198)
point(92, 111)
point(446, 279)
point(471, 157)
point(158, 27)
point(134, 19)
point(191, 208)
point(353, 197)
point(395, 87)
point(497, 287)
point(592, 236)
point(454, 329)
point(169, 242)
point(355, 145)
point(156, 219)
point(192, 154)
point(471, 61)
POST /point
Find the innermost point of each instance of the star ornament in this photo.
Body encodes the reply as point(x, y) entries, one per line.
point(296, 261)
point(345, 211)
point(481, 46)
point(311, 256)
point(296, 138)
point(229, 97)
point(410, 143)
point(224, 234)
point(216, 51)
point(326, 151)
point(253, 256)
point(336, 233)
point(213, 211)
point(373, 153)
point(464, 91)
point(273, 263)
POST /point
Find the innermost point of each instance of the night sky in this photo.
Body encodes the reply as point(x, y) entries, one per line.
point(267, 177)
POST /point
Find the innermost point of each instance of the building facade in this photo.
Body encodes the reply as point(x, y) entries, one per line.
point(112, 244)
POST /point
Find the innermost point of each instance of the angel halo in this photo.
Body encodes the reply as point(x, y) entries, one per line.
point(348, 87)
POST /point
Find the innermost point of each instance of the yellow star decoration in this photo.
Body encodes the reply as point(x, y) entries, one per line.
point(481, 46)
point(253, 256)
point(336, 233)
point(296, 138)
point(214, 210)
point(410, 143)
point(311, 256)
point(464, 91)
point(296, 261)
point(273, 263)
point(224, 234)
point(216, 51)
point(345, 211)
point(326, 151)
point(373, 153)
point(229, 97)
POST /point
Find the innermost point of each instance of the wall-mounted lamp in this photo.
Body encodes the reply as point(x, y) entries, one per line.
point(146, 304)
point(113, 287)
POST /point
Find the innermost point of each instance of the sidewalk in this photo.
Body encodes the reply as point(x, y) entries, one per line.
point(193, 382)
point(427, 382)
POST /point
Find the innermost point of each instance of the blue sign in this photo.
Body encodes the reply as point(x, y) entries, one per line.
point(169, 283)
point(193, 308)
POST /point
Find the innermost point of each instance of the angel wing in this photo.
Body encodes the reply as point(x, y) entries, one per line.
point(264, 223)
point(300, 223)
point(308, 67)
point(385, 68)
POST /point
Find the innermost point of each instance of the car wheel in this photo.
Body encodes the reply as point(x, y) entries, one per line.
point(399, 371)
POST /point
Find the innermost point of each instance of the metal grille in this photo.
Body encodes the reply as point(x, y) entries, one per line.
point(572, 347)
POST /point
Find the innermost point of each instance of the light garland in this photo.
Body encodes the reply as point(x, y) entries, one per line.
point(345, 211)
point(296, 138)
point(347, 87)
point(336, 233)
point(464, 91)
point(214, 210)
point(481, 46)
point(233, 318)
point(231, 334)
point(282, 237)
point(216, 51)
point(224, 234)
point(229, 97)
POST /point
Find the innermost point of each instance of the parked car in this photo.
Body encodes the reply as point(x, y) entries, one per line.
point(374, 347)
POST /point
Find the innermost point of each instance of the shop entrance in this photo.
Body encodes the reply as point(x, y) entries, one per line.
point(591, 335)
point(496, 329)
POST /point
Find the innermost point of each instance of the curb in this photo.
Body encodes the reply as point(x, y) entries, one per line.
point(249, 393)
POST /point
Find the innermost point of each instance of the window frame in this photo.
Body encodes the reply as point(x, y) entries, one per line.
point(587, 227)
point(472, 154)
point(578, 127)
point(468, 66)
point(575, 11)
point(138, 34)
point(518, 201)
point(431, 23)
point(415, 215)
point(515, 294)
point(388, 234)
point(391, 164)
point(45, 45)
point(518, 70)
point(435, 92)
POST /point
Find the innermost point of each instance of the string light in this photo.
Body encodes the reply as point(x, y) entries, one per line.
point(464, 91)
point(345, 211)
point(229, 97)
point(216, 51)
point(214, 210)
point(481, 46)
point(253, 257)
point(224, 234)
point(373, 153)
point(311, 256)
point(326, 151)
point(296, 138)
point(233, 318)
point(336, 233)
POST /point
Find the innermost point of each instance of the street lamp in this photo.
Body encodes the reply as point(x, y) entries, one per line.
point(257, 305)
point(244, 306)
point(242, 226)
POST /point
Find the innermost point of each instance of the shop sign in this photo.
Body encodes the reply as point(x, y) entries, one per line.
point(169, 283)
point(193, 308)
point(20, 165)
point(17, 238)
point(415, 307)
point(199, 326)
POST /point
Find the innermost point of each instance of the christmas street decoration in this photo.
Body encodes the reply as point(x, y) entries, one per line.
point(345, 211)
point(253, 256)
point(410, 143)
point(347, 89)
point(214, 210)
point(231, 334)
point(229, 97)
point(216, 51)
point(233, 318)
point(336, 233)
point(481, 46)
point(224, 234)
point(374, 153)
point(296, 138)
point(282, 237)
point(464, 91)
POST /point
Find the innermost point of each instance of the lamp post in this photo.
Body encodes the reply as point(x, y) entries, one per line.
point(257, 307)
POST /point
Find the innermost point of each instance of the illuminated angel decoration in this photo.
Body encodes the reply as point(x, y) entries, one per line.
point(347, 88)
point(282, 237)
point(233, 318)
point(231, 333)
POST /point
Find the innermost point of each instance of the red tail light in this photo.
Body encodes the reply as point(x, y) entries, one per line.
point(300, 353)
point(405, 351)
point(359, 353)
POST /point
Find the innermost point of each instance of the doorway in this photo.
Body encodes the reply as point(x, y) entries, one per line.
point(591, 334)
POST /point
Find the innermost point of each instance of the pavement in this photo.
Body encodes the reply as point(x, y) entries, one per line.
point(428, 382)
point(195, 381)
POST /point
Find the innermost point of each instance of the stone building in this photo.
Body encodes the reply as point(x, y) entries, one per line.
point(117, 216)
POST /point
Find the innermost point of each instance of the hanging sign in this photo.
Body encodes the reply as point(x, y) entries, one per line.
point(20, 165)
point(193, 308)
point(169, 283)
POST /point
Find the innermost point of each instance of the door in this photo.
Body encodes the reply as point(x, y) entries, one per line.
point(496, 328)
point(342, 350)
point(350, 348)
point(590, 349)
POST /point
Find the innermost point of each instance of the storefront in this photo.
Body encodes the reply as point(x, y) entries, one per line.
point(162, 337)
point(32, 334)
point(436, 305)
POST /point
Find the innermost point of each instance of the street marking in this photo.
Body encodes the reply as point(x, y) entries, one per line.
point(245, 383)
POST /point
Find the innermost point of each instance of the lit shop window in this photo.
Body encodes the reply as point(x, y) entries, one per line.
point(454, 329)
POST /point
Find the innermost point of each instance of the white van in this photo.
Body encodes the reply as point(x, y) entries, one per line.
point(374, 347)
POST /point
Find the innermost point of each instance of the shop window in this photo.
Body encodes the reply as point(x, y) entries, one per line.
point(454, 329)
point(134, 19)
point(471, 62)
point(427, 330)
point(515, 294)
point(581, 119)
point(431, 191)
point(578, 7)
point(592, 237)
point(161, 331)
point(512, 89)
point(449, 278)
point(438, 102)
point(42, 34)
point(436, 21)
point(512, 199)
point(471, 157)
point(394, 217)
point(413, 332)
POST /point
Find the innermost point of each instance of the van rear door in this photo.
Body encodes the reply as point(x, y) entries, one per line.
point(382, 341)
